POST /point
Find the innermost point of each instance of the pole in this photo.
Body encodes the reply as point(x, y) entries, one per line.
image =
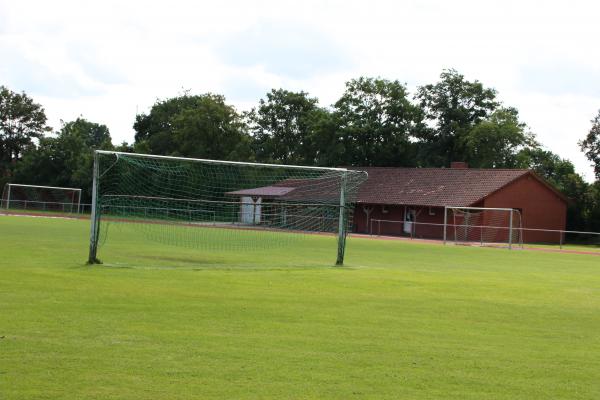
point(445, 222)
point(510, 231)
point(561, 240)
point(95, 218)
point(342, 222)
point(481, 236)
point(8, 197)
point(79, 203)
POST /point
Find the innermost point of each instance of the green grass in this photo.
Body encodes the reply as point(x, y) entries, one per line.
point(591, 248)
point(400, 320)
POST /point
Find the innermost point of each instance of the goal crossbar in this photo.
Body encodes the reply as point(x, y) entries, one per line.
point(43, 187)
point(223, 162)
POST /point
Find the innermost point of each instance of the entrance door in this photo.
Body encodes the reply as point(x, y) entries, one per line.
point(247, 208)
point(251, 210)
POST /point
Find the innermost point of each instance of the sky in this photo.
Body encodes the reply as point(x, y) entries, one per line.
point(108, 60)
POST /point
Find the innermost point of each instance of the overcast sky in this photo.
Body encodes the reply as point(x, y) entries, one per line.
point(105, 60)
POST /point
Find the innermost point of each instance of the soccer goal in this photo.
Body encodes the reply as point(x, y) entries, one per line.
point(483, 226)
point(212, 204)
point(41, 198)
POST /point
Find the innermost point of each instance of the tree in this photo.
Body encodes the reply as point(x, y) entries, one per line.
point(591, 145)
point(21, 121)
point(66, 159)
point(376, 121)
point(592, 209)
point(284, 126)
point(202, 126)
point(454, 105)
point(94, 135)
point(496, 141)
point(561, 173)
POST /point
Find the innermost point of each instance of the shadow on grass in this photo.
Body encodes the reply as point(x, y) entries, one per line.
point(211, 263)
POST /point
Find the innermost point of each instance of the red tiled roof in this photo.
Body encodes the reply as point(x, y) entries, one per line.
point(321, 190)
point(435, 187)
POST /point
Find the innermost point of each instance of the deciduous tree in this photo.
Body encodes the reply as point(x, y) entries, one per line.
point(496, 141)
point(201, 126)
point(284, 127)
point(453, 106)
point(65, 159)
point(591, 145)
point(376, 121)
point(21, 121)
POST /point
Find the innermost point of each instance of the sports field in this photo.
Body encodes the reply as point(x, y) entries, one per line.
point(400, 321)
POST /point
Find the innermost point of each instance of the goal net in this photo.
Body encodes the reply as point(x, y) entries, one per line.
point(211, 204)
point(483, 226)
point(41, 198)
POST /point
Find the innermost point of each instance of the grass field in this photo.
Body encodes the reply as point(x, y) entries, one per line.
point(400, 320)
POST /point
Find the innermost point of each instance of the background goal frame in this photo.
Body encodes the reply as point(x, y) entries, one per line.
point(514, 225)
point(8, 189)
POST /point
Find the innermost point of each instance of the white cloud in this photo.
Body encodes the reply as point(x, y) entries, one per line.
point(104, 60)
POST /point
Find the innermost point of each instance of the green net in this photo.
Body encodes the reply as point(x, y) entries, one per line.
point(214, 205)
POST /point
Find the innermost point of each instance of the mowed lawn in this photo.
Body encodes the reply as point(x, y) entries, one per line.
point(400, 321)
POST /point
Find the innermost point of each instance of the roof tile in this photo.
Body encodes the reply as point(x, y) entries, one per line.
point(434, 187)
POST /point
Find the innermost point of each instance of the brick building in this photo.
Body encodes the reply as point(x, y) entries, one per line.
point(411, 201)
point(407, 195)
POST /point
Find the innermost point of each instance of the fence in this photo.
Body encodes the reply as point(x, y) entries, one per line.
point(577, 240)
point(585, 241)
point(45, 207)
point(298, 217)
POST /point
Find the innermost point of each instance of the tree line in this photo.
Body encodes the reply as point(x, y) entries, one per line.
point(375, 122)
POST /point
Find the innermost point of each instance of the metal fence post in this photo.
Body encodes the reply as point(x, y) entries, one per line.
point(510, 232)
point(8, 198)
point(445, 222)
point(561, 240)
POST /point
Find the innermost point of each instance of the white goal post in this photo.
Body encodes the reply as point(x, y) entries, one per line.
point(41, 198)
point(217, 204)
point(485, 226)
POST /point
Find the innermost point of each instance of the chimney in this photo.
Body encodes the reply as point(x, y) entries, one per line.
point(459, 165)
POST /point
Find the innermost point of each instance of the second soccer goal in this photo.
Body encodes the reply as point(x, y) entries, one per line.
point(483, 226)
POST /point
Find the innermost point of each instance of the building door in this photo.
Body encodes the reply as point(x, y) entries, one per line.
point(247, 214)
point(409, 218)
point(250, 210)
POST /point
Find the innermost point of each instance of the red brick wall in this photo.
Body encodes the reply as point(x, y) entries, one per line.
point(395, 213)
point(433, 231)
point(396, 228)
point(541, 207)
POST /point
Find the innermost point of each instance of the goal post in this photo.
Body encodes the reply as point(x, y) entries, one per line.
point(41, 198)
point(485, 226)
point(215, 204)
